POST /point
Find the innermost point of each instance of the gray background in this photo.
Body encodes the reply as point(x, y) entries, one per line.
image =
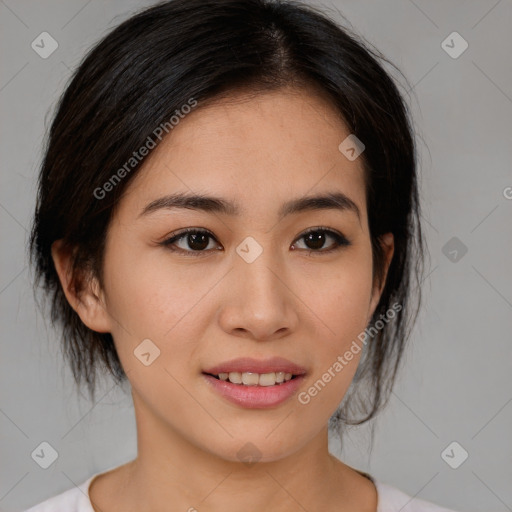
point(456, 383)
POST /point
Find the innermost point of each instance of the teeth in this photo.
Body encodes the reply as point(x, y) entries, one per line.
point(256, 379)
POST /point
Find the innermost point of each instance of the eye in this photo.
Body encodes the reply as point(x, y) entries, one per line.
point(194, 241)
point(315, 238)
point(197, 241)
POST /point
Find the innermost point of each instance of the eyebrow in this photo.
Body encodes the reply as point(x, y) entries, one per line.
point(329, 201)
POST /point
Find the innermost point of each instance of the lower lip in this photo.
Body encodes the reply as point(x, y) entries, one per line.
point(255, 397)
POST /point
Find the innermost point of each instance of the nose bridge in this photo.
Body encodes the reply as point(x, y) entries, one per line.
point(260, 303)
point(258, 266)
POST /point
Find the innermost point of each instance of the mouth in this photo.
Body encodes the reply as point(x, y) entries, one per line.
point(252, 390)
point(247, 371)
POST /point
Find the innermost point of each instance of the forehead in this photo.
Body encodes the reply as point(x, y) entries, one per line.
point(254, 149)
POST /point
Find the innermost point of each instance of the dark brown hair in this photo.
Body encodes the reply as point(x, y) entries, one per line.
point(143, 71)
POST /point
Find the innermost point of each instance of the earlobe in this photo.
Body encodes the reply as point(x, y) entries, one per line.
point(387, 242)
point(87, 302)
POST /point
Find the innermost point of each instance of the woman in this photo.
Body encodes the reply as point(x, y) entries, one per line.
point(228, 218)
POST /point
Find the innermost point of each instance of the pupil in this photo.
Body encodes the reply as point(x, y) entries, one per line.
point(317, 238)
point(193, 238)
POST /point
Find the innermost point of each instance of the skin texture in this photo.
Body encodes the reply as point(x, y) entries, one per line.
point(259, 151)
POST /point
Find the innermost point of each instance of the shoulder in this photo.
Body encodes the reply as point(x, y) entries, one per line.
point(394, 500)
point(75, 499)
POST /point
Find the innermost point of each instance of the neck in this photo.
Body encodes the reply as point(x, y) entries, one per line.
point(174, 471)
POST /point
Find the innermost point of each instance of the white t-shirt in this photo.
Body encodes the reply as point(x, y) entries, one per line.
point(390, 499)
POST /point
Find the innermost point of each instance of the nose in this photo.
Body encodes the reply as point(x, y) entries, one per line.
point(259, 300)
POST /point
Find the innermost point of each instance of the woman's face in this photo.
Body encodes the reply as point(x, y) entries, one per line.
point(257, 286)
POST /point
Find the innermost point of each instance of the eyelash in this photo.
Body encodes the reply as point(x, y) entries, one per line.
point(340, 240)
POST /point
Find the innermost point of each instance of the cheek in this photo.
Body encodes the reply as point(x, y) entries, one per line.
point(340, 305)
point(341, 309)
point(340, 296)
point(144, 293)
point(151, 299)
point(347, 309)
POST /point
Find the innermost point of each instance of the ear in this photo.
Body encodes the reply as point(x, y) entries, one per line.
point(89, 302)
point(387, 242)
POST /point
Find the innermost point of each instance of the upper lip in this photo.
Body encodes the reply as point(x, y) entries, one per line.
point(248, 364)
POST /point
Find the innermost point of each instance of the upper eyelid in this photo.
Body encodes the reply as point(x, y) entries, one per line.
point(181, 233)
